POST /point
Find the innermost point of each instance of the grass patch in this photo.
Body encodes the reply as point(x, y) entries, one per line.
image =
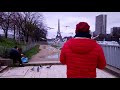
point(8, 43)
point(32, 51)
point(55, 46)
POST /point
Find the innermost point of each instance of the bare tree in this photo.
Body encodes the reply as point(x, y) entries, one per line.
point(13, 26)
point(32, 19)
point(18, 21)
point(5, 22)
point(1, 17)
point(28, 25)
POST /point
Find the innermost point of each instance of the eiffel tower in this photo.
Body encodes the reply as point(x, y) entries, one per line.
point(59, 37)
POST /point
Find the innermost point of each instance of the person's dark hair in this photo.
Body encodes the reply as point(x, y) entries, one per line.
point(20, 50)
point(15, 47)
point(83, 34)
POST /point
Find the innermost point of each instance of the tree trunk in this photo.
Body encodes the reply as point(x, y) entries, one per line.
point(6, 34)
point(27, 38)
point(14, 32)
point(24, 40)
point(19, 37)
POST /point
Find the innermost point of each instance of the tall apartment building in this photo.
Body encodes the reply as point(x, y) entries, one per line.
point(100, 24)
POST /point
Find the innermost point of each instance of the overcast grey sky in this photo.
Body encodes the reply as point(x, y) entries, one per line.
point(72, 18)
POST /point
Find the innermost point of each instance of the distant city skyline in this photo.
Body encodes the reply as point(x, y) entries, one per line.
point(70, 19)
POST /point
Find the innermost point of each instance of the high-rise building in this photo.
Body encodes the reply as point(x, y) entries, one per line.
point(115, 31)
point(100, 24)
point(111, 30)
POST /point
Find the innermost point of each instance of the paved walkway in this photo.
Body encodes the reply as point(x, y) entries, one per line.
point(55, 71)
point(45, 51)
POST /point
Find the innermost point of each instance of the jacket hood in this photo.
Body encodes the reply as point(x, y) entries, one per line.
point(82, 45)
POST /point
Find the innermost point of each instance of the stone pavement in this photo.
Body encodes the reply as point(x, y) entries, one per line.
point(45, 50)
point(34, 71)
point(55, 71)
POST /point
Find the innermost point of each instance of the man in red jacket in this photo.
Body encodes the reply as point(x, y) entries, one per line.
point(82, 55)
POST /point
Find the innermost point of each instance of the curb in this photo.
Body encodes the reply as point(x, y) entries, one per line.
point(2, 69)
point(113, 70)
point(38, 64)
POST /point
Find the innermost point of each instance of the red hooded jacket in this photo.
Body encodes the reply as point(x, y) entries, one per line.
point(82, 56)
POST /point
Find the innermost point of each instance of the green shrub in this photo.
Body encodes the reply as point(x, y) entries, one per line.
point(7, 44)
point(4, 52)
point(54, 46)
point(32, 51)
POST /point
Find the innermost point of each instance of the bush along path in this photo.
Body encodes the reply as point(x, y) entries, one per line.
point(7, 44)
point(32, 51)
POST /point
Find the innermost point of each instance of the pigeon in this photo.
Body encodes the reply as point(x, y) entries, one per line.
point(38, 69)
point(32, 69)
point(49, 66)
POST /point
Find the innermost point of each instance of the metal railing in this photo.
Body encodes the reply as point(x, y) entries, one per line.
point(112, 55)
point(111, 52)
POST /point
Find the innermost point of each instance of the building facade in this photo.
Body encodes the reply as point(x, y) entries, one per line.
point(100, 24)
point(115, 31)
